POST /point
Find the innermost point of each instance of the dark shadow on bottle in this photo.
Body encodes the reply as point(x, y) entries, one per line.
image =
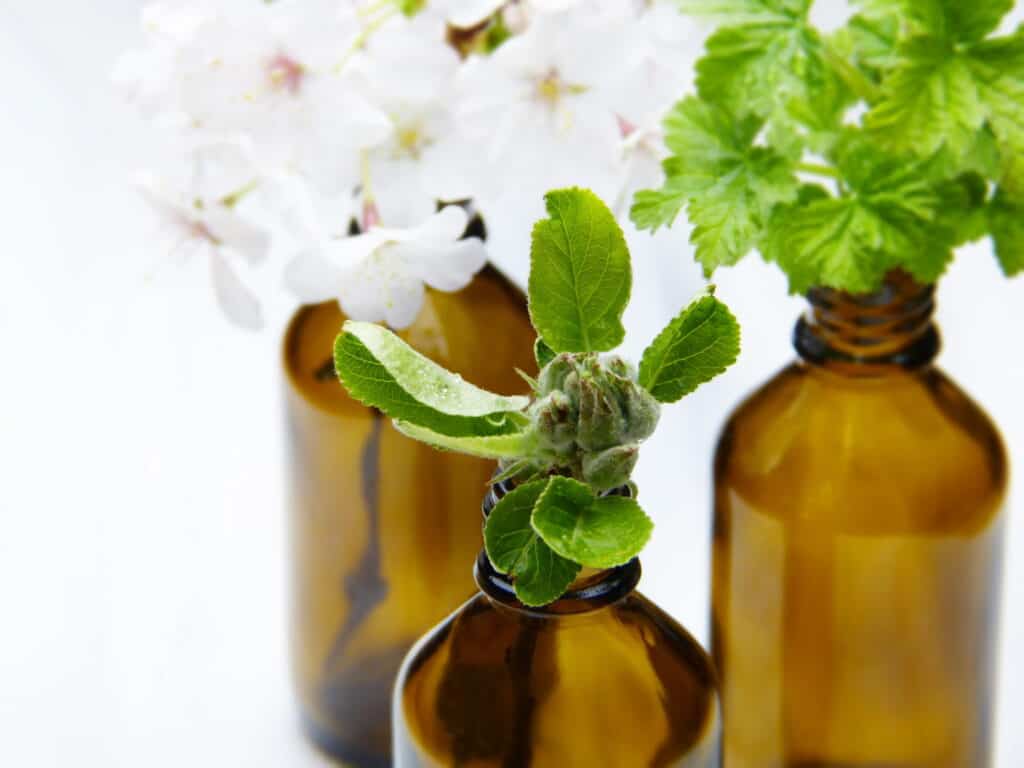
point(353, 691)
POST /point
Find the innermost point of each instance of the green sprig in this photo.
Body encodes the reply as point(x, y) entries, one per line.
point(942, 104)
point(578, 437)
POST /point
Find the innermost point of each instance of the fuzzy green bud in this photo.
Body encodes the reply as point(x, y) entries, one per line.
point(611, 468)
point(555, 419)
point(601, 420)
point(552, 377)
point(640, 409)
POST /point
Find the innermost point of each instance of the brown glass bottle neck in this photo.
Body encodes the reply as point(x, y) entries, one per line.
point(861, 334)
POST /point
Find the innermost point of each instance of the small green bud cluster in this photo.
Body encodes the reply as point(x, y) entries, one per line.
point(591, 415)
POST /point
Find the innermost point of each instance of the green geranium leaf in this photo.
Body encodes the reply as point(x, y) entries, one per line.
point(381, 370)
point(871, 42)
point(955, 21)
point(540, 576)
point(771, 63)
point(947, 82)
point(595, 532)
point(580, 277)
point(1006, 219)
point(930, 100)
point(543, 353)
point(889, 217)
point(508, 446)
point(730, 185)
point(699, 344)
point(746, 11)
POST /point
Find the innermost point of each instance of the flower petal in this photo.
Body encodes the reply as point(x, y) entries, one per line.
point(237, 301)
point(444, 266)
point(243, 237)
point(445, 226)
point(381, 290)
point(466, 14)
point(311, 278)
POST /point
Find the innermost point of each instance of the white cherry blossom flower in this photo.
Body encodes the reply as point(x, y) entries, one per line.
point(406, 71)
point(538, 116)
point(268, 72)
point(663, 46)
point(197, 212)
point(379, 276)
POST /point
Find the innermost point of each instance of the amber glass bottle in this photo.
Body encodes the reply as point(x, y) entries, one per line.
point(602, 677)
point(857, 550)
point(363, 532)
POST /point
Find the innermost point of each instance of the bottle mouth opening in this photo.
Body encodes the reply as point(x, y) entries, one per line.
point(602, 589)
point(591, 592)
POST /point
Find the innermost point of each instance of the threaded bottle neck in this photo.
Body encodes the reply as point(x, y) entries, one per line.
point(865, 334)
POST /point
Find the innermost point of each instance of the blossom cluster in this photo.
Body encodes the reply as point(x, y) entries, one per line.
point(351, 137)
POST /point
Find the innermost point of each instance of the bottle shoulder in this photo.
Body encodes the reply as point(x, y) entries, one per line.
point(577, 689)
point(911, 446)
point(482, 331)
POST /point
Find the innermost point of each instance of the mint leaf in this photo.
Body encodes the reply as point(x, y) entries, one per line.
point(513, 445)
point(730, 185)
point(381, 370)
point(595, 532)
point(580, 276)
point(542, 353)
point(540, 576)
point(699, 344)
point(1006, 220)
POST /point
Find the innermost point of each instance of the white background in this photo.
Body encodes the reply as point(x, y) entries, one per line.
point(142, 550)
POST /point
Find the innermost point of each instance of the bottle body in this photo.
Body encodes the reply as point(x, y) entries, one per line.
point(857, 559)
point(362, 532)
point(602, 677)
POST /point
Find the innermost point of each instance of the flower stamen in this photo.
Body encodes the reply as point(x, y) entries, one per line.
point(285, 74)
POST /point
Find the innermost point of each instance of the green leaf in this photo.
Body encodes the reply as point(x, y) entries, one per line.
point(889, 217)
point(597, 533)
point(746, 11)
point(542, 353)
point(954, 21)
point(963, 206)
point(540, 576)
point(870, 42)
point(580, 276)
point(730, 185)
point(929, 100)
point(382, 371)
point(941, 93)
point(510, 446)
point(778, 71)
point(999, 69)
point(699, 344)
point(1006, 220)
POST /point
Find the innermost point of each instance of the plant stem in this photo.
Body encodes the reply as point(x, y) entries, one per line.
point(818, 170)
point(234, 198)
point(858, 82)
